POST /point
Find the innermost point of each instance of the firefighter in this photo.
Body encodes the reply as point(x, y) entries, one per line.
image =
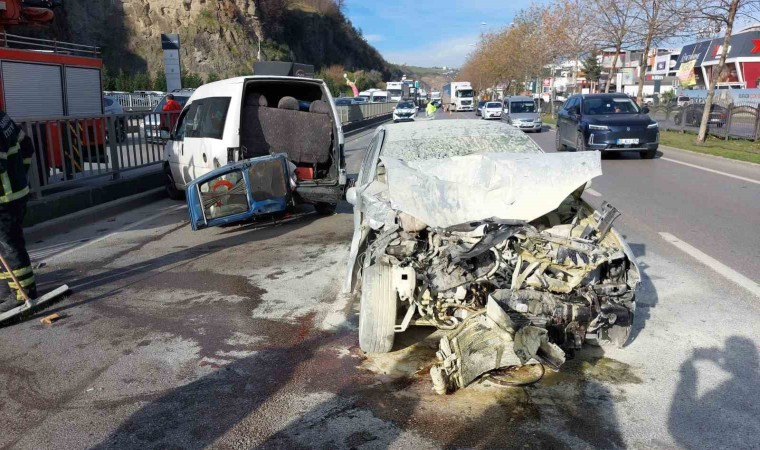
point(16, 150)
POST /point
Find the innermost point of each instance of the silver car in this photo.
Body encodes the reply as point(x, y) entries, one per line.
point(521, 112)
point(456, 223)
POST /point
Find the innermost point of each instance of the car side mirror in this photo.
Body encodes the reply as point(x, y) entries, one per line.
point(645, 110)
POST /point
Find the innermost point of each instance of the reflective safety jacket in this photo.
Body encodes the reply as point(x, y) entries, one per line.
point(16, 152)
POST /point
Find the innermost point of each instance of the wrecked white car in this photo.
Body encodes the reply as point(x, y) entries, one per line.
point(469, 227)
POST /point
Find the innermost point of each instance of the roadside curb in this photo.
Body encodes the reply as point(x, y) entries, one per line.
point(720, 158)
point(95, 213)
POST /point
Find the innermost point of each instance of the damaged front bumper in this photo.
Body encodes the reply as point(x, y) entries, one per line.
point(507, 290)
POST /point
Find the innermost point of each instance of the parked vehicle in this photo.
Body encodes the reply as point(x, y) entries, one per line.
point(152, 122)
point(441, 227)
point(479, 109)
point(521, 112)
point(607, 123)
point(458, 96)
point(379, 97)
point(650, 100)
point(691, 115)
point(680, 100)
point(491, 110)
point(112, 107)
point(405, 110)
point(395, 90)
point(228, 124)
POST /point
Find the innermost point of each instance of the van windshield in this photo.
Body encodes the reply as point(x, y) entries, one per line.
point(464, 93)
point(522, 107)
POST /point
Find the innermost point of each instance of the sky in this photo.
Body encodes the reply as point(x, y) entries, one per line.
point(429, 33)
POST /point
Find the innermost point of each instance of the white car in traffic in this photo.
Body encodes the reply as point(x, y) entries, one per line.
point(492, 110)
point(404, 110)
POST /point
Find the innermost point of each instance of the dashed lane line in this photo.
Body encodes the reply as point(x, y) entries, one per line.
point(722, 269)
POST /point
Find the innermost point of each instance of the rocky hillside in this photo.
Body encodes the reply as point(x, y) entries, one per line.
point(218, 36)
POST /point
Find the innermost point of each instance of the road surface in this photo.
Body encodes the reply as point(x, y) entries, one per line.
point(238, 337)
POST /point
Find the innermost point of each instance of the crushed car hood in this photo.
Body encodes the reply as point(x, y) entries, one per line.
point(497, 186)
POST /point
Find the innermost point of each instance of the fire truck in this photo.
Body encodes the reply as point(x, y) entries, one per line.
point(49, 79)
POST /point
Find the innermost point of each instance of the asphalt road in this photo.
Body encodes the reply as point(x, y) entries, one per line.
point(238, 337)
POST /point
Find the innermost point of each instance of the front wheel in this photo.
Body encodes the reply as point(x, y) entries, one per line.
point(170, 187)
point(377, 313)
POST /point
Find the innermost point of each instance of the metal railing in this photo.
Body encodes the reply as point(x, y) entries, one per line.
point(136, 102)
point(364, 111)
point(72, 151)
point(48, 45)
point(727, 119)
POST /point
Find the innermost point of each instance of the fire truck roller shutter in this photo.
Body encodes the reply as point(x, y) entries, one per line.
point(83, 94)
point(32, 89)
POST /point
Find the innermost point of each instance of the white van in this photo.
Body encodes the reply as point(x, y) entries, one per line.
point(234, 120)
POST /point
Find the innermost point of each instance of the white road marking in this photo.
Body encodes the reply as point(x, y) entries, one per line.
point(749, 180)
point(592, 192)
point(727, 272)
point(47, 258)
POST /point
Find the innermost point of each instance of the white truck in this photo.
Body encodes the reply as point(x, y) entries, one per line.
point(395, 90)
point(457, 96)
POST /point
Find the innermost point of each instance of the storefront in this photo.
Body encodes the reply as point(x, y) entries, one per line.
point(742, 62)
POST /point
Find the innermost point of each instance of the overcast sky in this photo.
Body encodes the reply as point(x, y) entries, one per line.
point(429, 32)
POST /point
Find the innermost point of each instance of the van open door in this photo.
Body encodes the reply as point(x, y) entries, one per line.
point(239, 191)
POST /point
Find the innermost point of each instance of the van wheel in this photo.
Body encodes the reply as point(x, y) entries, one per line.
point(171, 189)
point(377, 313)
point(325, 209)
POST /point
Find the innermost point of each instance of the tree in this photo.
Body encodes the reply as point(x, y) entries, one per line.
point(159, 81)
point(213, 76)
point(592, 68)
point(656, 21)
point(723, 13)
point(577, 31)
point(616, 18)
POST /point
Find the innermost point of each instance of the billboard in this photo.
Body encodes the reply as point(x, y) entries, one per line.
point(686, 73)
point(172, 66)
point(661, 65)
point(627, 76)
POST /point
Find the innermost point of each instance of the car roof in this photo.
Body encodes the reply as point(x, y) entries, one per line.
point(231, 86)
point(611, 95)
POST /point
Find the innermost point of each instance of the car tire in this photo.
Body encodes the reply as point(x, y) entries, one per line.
point(558, 145)
point(647, 154)
point(325, 209)
point(171, 189)
point(377, 313)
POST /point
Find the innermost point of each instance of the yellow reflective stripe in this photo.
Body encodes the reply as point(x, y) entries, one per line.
point(18, 272)
point(24, 283)
point(21, 135)
point(7, 189)
point(13, 150)
point(3, 156)
point(15, 196)
point(27, 161)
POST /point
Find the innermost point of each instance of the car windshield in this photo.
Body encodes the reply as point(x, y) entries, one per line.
point(522, 107)
point(496, 105)
point(394, 92)
point(609, 105)
point(107, 101)
point(379, 98)
point(464, 93)
point(179, 98)
point(405, 105)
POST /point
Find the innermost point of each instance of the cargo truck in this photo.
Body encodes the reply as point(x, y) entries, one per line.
point(457, 96)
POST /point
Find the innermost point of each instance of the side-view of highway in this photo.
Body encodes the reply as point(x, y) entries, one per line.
point(239, 337)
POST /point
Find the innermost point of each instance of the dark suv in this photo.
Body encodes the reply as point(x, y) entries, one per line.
point(608, 123)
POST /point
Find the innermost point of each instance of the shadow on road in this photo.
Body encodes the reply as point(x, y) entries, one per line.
point(725, 415)
point(646, 298)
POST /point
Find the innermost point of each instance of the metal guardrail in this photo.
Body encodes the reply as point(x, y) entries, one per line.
point(48, 45)
point(71, 151)
point(137, 102)
point(356, 113)
point(727, 120)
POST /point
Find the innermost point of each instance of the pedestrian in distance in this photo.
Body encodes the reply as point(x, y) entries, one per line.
point(430, 110)
point(16, 150)
point(172, 109)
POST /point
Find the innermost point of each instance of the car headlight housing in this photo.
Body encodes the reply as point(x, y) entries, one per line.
point(653, 125)
point(598, 127)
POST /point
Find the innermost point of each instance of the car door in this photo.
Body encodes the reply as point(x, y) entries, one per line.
point(562, 119)
point(571, 120)
point(174, 151)
point(237, 192)
point(204, 135)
